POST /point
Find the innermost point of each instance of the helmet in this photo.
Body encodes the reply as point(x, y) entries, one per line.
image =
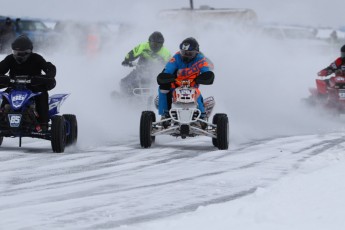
point(189, 48)
point(342, 51)
point(156, 41)
point(22, 48)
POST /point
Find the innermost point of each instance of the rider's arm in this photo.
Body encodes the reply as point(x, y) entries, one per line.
point(206, 76)
point(48, 68)
point(334, 66)
point(169, 73)
point(135, 53)
point(44, 82)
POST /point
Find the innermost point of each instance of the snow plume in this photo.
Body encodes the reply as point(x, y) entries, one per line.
point(260, 83)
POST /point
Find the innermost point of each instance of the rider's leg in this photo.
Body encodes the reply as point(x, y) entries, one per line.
point(162, 101)
point(201, 106)
point(42, 108)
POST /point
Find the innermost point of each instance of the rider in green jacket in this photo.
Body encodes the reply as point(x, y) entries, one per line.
point(151, 54)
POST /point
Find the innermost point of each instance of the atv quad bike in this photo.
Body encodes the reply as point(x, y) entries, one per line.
point(184, 120)
point(19, 117)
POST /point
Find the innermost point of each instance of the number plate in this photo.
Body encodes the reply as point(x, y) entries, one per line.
point(186, 91)
point(14, 120)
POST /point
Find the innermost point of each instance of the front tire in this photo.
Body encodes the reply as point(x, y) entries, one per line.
point(146, 120)
point(223, 133)
point(72, 126)
point(214, 121)
point(1, 140)
point(58, 134)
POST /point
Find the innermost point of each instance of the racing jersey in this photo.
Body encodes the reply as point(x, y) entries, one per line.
point(187, 71)
point(144, 52)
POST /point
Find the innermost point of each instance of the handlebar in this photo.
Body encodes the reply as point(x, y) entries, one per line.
point(184, 83)
point(21, 79)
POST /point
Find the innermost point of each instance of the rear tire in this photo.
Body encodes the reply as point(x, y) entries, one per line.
point(214, 121)
point(72, 125)
point(58, 134)
point(147, 117)
point(223, 133)
point(1, 140)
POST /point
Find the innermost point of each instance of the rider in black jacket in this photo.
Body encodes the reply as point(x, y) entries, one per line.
point(23, 61)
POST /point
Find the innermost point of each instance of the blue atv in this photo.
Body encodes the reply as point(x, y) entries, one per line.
point(19, 118)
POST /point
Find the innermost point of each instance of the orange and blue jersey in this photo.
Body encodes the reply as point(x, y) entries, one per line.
point(185, 71)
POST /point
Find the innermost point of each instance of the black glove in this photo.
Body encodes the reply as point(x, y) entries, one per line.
point(4, 81)
point(205, 78)
point(165, 78)
point(42, 83)
point(126, 62)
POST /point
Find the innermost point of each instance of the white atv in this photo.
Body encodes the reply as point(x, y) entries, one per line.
point(185, 121)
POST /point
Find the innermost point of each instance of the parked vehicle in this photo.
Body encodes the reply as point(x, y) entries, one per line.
point(41, 36)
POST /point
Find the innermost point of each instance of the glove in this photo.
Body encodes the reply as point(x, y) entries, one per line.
point(165, 78)
point(4, 81)
point(205, 78)
point(323, 73)
point(126, 62)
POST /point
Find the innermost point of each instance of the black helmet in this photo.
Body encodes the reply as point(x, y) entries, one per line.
point(8, 21)
point(156, 41)
point(342, 51)
point(189, 48)
point(22, 48)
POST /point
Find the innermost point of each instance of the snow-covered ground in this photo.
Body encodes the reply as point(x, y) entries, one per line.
point(284, 168)
point(308, 198)
point(281, 183)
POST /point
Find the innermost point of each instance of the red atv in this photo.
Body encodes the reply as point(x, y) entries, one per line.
point(329, 93)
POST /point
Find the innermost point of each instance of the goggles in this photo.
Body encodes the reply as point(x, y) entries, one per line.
point(21, 53)
point(188, 53)
point(156, 45)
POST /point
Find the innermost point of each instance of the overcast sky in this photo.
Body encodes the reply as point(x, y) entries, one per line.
point(311, 12)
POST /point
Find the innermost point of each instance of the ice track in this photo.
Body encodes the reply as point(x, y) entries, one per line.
point(121, 184)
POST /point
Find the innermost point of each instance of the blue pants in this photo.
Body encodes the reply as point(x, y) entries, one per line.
point(163, 102)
